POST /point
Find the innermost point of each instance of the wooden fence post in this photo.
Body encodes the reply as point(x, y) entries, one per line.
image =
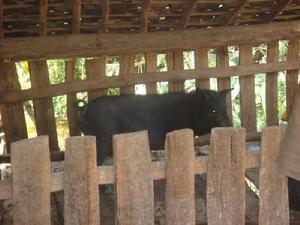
point(80, 182)
point(31, 181)
point(126, 67)
point(201, 61)
point(273, 189)
point(226, 177)
point(180, 178)
point(151, 67)
point(134, 182)
point(175, 62)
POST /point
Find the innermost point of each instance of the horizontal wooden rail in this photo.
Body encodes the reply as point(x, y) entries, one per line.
point(106, 173)
point(148, 77)
point(81, 45)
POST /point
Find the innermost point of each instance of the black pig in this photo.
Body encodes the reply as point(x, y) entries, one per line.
point(159, 114)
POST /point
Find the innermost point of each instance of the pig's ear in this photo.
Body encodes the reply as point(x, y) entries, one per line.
point(226, 92)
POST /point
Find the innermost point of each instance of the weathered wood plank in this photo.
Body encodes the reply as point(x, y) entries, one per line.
point(101, 44)
point(74, 129)
point(43, 10)
point(76, 16)
point(105, 174)
point(81, 192)
point(151, 66)
point(247, 91)
point(134, 183)
point(273, 189)
point(31, 194)
point(95, 69)
point(224, 83)
point(201, 61)
point(1, 19)
point(271, 87)
point(126, 65)
point(292, 75)
point(175, 62)
point(180, 165)
point(225, 177)
point(105, 15)
point(77, 86)
point(43, 108)
point(13, 118)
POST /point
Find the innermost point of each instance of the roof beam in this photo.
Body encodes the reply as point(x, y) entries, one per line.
point(43, 17)
point(283, 5)
point(76, 16)
point(144, 17)
point(228, 18)
point(105, 15)
point(188, 14)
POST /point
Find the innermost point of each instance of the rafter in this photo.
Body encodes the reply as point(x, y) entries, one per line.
point(144, 16)
point(1, 19)
point(188, 14)
point(43, 17)
point(283, 5)
point(76, 16)
point(105, 15)
point(228, 18)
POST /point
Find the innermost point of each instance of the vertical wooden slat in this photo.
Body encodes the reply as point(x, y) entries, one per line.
point(247, 91)
point(134, 182)
point(224, 83)
point(271, 87)
point(80, 182)
point(95, 69)
point(43, 108)
point(201, 61)
point(180, 165)
point(13, 117)
point(1, 20)
point(292, 75)
point(43, 10)
point(74, 129)
point(126, 65)
point(76, 16)
point(273, 189)
point(31, 181)
point(175, 62)
point(151, 66)
point(225, 177)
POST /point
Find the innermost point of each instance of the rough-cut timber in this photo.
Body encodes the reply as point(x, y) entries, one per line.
point(180, 166)
point(271, 87)
point(224, 83)
point(133, 179)
point(151, 66)
point(201, 61)
point(12, 115)
point(100, 44)
point(175, 62)
point(247, 93)
point(225, 177)
point(95, 69)
point(43, 108)
point(81, 192)
point(119, 81)
point(31, 181)
point(292, 75)
point(126, 68)
point(74, 129)
point(273, 189)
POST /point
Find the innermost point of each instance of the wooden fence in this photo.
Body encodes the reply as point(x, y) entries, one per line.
point(133, 174)
point(97, 82)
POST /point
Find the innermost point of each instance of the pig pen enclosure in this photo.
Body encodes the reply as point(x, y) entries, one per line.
point(98, 30)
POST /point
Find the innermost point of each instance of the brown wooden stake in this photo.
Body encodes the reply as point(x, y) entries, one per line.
point(134, 182)
point(175, 62)
point(247, 92)
point(43, 108)
point(31, 181)
point(273, 189)
point(80, 182)
point(201, 61)
point(271, 87)
point(225, 177)
point(151, 66)
point(224, 83)
point(180, 166)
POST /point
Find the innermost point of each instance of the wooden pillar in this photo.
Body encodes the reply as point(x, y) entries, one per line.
point(151, 66)
point(292, 75)
point(175, 62)
point(201, 61)
point(224, 83)
point(126, 67)
point(247, 91)
point(43, 108)
point(271, 87)
point(13, 117)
